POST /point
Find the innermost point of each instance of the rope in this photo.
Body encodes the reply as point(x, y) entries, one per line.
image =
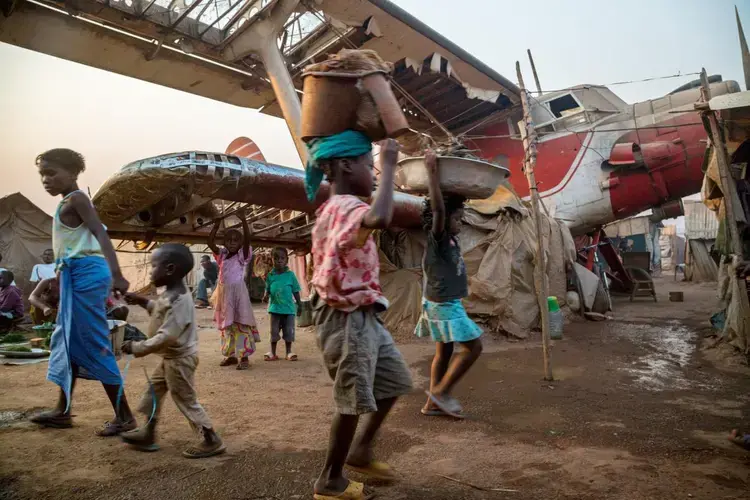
point(120, 391)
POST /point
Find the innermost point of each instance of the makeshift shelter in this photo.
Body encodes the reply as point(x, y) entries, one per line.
point(25, 233)
point(499, 247)
point(701, 228)
point(732, 246)
point(637, 234)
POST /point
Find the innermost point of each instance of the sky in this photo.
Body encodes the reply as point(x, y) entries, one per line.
point(113, 120)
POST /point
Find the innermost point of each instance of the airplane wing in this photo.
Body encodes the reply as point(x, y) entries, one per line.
point(197, 46)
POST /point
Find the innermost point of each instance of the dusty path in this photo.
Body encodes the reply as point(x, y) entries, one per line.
point(637, 412)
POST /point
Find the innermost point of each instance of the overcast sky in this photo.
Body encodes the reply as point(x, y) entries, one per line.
point(47, 102)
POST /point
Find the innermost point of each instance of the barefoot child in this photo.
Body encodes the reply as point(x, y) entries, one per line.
point(368, 371)
point(445, 284)
point(172, 334)
point(88, 269)
point(233, 312)
point(282, 291)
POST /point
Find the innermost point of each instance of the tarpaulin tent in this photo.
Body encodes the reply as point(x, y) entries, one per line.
point(25, 233)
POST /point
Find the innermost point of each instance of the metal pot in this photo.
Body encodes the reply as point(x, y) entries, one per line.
point(473, 179)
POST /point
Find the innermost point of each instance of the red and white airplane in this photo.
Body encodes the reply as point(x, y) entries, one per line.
point(600, 159)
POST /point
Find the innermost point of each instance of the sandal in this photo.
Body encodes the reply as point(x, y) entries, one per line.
point(110, 429)
point(355, 491)
point(291, 357)
point(244, 364)
point(203, 450)
point(449, 405)
point(270, 357)
point(375, 470)
point(228, 361)
point(52, 420)
point(740, 439)
point(433, 412)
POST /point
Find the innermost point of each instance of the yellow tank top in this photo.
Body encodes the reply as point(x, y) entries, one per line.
point(73, 243)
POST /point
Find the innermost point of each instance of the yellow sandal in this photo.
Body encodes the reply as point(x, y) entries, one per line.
point(375, 470)
point(355, 491)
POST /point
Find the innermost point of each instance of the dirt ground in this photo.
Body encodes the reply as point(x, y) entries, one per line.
point(639, 410)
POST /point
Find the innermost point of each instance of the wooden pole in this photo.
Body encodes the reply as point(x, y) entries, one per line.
point(540, 270)
point(533, 70)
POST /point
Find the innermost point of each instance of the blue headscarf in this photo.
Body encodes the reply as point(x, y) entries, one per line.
point(347, 144)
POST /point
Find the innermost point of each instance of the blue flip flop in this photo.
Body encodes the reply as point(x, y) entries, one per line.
point(448, 405)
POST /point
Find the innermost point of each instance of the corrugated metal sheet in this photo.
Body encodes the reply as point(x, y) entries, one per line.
point(700, 222)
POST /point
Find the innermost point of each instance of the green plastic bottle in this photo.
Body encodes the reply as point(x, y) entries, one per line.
point(556, 319)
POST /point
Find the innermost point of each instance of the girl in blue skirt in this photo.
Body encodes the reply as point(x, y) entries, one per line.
point(445, 284)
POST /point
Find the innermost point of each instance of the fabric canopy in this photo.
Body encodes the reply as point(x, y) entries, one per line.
point(25, 233)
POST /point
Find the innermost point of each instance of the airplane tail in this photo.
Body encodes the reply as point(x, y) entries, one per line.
point(744, 49)
point(245, 148)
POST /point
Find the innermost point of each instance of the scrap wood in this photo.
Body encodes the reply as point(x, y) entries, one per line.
point(480, 488)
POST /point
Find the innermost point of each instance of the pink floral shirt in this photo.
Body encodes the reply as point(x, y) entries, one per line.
point(347, 273)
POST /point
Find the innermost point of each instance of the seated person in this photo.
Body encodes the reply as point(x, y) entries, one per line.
point(44, 301)
point(3, 269)
point(210, 276)
point(46, 270)
point(11, 303)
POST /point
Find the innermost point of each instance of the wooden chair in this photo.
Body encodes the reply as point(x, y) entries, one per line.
point(643, 284)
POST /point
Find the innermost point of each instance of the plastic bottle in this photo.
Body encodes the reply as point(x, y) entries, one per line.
point(556, 319)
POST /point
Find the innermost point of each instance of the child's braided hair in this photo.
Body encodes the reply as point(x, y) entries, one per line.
point(452, 203)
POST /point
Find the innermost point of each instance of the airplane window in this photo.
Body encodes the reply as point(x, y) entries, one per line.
point(563, 106)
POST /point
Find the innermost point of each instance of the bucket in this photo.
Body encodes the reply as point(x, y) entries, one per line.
point(329, 105)
point(305, 317)
point(117, 337)
point(676, 296)
point(334, 103)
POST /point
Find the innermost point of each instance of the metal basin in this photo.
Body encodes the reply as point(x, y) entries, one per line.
point(473, 179)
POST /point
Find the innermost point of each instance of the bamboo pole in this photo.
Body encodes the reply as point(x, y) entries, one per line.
point(533, 71)
point(540, 270)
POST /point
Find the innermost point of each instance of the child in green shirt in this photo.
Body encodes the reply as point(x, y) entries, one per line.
point(282, 292)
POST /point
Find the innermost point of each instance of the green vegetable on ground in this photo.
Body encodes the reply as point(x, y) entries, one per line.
point(13, 338)
point(17, 348)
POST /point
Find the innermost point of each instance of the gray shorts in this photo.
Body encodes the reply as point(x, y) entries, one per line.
point(361, 358)
point(282, 323)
